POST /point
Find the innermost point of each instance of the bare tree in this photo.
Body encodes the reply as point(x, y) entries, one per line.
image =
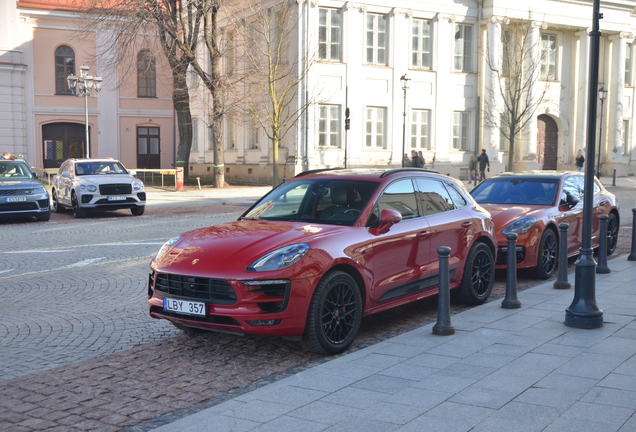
point(515, 89)
point(273, 70)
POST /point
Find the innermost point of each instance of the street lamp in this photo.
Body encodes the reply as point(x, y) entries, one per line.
point(404, 82)
point(85, 86)
point(602, 95)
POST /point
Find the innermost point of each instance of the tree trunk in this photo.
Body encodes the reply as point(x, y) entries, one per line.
point(181, 102)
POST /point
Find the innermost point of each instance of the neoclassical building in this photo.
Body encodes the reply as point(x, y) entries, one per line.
point(362, 49)
point(131, 119)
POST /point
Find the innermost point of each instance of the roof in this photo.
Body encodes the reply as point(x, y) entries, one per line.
point(536, 174)
point(370, 173)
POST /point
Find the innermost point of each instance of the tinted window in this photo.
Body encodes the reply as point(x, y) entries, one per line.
point(573, 185)
point(400, 196)
point(515, 190)
point(458, 199)
point(433, 197)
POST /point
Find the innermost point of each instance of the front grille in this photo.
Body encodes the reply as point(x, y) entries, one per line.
point(115, 189)
point(502, 254)
point(12, 192)
point(216, 291)
point(22, 206)
point(105, 201)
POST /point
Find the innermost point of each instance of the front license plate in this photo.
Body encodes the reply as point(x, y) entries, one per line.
point(15, 199)
point(184, 307)
point(116, 198)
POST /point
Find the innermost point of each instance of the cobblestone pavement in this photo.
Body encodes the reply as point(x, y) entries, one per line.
point(78, 351)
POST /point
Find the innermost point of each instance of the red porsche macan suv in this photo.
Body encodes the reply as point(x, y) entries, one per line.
point(322, 250)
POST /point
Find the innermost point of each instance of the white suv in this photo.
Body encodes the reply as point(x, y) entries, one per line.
point(105, 184)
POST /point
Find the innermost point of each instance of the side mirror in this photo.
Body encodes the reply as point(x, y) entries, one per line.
point(34, 175)
point(66, 174)
point(388, 218)
point(570, 200)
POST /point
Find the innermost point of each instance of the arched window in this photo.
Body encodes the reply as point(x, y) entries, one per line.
point(146, 75)
point(64, 66)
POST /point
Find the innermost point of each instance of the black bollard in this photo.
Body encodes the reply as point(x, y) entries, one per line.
point(443, 326)
point(614, 179)
point(632, 254)
point(511, 301)
point(562, 276)
point(602, 247)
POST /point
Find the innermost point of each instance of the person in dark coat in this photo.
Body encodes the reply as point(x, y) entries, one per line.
point(484, 164)
point(579, 160)
point(416, 162)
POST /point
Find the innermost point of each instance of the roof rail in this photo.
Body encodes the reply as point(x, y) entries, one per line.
point(304, 173)
point(398, 170)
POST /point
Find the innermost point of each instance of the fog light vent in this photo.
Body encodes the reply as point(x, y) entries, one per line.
point(258, 323)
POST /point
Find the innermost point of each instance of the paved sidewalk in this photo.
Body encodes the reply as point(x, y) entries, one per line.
point(503, 370)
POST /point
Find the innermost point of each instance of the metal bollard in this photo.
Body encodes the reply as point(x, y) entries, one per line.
point(562, 277)
point(443, 326)
point(602, 247)
point(614, 179)
point(511, 301)
point(632, 254)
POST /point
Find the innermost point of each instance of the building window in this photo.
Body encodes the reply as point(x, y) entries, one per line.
point(627, 148)
point(231, 131)
point(421, 44)
point(376, 39)
point(146, 75)
point(376, 118)
point(330, 34)
point(504, 142)
point(329, 126)
point(461, 125)
point(548, 56)
point(420, 121)
point(253, 133)
point(195, 134)
point(628, 65)
point(64, 66)
point(462, 57)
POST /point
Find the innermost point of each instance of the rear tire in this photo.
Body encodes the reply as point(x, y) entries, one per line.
point(57, 208)
point(548, 255)
point(334, 316)
point(478, 277)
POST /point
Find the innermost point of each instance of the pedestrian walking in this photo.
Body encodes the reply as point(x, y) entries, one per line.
point(422, 160)
point(579, 160)
point(484, 164)
point(407, 160)
point(416, 162)
point(472, 167)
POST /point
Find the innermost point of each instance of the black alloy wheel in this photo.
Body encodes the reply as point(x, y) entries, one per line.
point(478, 277)
point(334, 314)
point(612, 233)
point(548, 254)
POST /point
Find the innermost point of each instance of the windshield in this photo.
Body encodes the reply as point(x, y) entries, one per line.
point(100, 168)
point(336, 202)
point(516, 191)
point(14, 171)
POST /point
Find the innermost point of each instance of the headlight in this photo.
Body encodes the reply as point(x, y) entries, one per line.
point(280, 259)
point(39, 189)
point(167, 245)
point(520, 226)
point(91, 188)
point(138, 186)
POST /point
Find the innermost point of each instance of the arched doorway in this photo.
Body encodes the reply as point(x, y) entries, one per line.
point(547, 142)
point(62, 141)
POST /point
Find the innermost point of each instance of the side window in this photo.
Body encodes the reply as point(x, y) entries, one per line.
point(458, 198)
point(573, 185)
point(433, 197)
point(597, 189)
point(399, 196)
point(63, 167)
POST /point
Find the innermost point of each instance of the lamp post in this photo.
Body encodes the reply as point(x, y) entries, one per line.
point(602, 95)
point(85, 86)
point(404, 82)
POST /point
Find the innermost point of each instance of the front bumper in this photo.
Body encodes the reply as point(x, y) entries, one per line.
point(242, 307)
point(35, 205)
point(96, 201)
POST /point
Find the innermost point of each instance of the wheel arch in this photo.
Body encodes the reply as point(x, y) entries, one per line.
point(356, 275)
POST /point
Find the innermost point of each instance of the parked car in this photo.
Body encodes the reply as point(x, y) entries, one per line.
point(105, 184)
point(322, 250)
point(21, 194)
point(533, 204)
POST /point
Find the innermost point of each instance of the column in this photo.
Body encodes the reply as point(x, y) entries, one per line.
point(581, 94)
point(492, 101)
point(443, 113)
point(612, 146)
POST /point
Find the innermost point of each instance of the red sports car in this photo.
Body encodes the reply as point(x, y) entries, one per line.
point(533, 205)
point(322, 250)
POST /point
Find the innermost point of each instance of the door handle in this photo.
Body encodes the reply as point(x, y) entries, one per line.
point(467, 224)
point(422, 234)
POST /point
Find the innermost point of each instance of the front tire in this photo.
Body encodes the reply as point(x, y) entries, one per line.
point(45, 217)
point(548, 254)
point(334, 314)
point(478, 277)
point(137, 211)
point(78, 212)
point(612, 233)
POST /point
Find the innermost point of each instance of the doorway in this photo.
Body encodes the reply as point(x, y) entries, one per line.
point(62, 141)
point(148, 147)
point(547, 142)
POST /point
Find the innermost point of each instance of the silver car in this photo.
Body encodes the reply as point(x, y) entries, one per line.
point(21, 195)
point(105, 184)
